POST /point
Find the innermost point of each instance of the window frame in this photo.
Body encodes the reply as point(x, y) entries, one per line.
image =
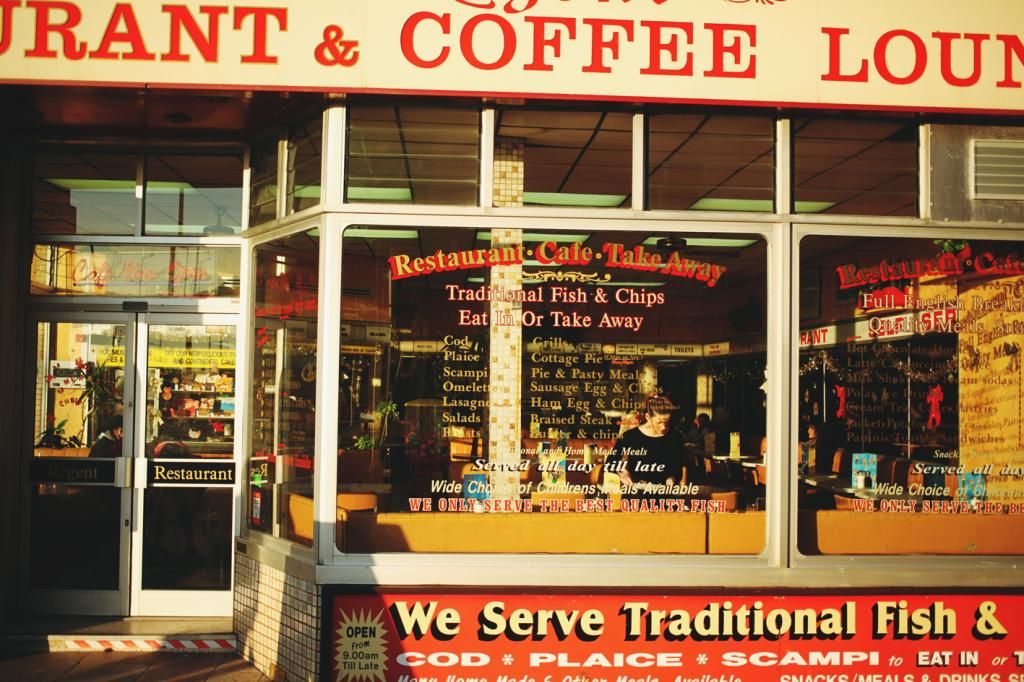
point(909, 564)
point(780, 565)
point(459, 568)
point(141, 152)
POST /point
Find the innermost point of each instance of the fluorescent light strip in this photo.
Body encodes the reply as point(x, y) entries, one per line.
point(703, 241)
point(569, 199)
point(379, 194)
point(374, 233)
point(756, 205)
point(90, 184)
point(567, 238)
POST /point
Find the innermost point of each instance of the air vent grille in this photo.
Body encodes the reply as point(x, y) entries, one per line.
point(999, 169)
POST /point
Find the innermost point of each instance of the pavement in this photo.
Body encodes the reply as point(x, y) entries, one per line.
point(57, 648)
point(123, 666)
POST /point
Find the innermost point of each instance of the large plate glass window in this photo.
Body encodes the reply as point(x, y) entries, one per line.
point(855, 166)
point(305, 154)
point(85, 192)
point(263, 181)
point(910, 396)
point(514, 390)
point(563, 158)
point(413, 154)
point(710, 162)
point(192, 194)
point(280, 491)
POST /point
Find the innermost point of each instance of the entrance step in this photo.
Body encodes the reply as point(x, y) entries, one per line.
point(189, 635)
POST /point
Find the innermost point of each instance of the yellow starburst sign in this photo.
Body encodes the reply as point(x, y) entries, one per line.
point(360, 650)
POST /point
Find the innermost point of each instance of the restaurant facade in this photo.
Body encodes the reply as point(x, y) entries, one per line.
point(521, 339)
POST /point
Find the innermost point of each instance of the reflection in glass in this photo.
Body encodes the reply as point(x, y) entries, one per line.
point(75, 536)
point(413, 154)
point(305, 154)
point(79, 383)
point(855, 167)
point(910, 396)
point(263, 181)
point(563, 158)
point(84, 192)
point(190, 194)
point(495, 370)
point(129, 270)
point(284, 387)
point(187, 539)
point(710, 162)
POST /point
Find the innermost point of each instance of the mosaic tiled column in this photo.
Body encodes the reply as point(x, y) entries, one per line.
point(506, 340)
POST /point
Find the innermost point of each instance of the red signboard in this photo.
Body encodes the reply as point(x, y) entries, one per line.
point(516, 637)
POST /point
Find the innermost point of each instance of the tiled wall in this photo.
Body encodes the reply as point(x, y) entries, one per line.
point(277, 621)
point(506, 337)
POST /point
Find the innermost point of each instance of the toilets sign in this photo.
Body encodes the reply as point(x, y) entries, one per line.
point(915, 54)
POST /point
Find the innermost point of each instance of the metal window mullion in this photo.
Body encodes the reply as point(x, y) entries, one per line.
point(246, 186)
point(281, 207)
point(783, 290)
point(332, 172)
point(328, 340)
point(783, 166)
point(924, 173)
point(243, 382)
point(639, 157)
point(487, 133)
point(140, 193)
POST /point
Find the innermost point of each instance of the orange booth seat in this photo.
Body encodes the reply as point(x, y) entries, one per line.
point(853, 532)
point(554, 533)
point(360, 529)
point(300, 512)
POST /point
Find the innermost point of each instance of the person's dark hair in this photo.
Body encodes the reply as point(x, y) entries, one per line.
point(115, 423)
point(659, 404)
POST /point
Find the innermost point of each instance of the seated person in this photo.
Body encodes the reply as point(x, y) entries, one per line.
point(697, 430)
point(650, 453)
point(108, 443)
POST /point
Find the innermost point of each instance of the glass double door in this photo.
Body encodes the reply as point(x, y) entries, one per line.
point(131, 475)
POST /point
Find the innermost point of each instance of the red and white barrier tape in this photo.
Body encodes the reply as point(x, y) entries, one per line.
point(183, 645)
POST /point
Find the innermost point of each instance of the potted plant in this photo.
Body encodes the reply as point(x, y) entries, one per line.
point(53, 440)
point(99, 389)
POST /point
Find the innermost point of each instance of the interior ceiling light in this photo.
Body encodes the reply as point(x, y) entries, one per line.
point(569, 238)
point(92, 184)
point(756, 205)
point(719, 242)
point(568, 199)
point(379, 194)
point(670, 243)
point(380, 233)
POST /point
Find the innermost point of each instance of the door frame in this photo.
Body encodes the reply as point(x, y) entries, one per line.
point(63, 601)
point(151, 602)
point(129, 599)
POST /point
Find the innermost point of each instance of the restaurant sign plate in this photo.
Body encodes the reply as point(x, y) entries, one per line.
point(517, 637)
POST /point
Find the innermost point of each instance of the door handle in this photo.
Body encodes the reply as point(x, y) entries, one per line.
point(123, 472)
